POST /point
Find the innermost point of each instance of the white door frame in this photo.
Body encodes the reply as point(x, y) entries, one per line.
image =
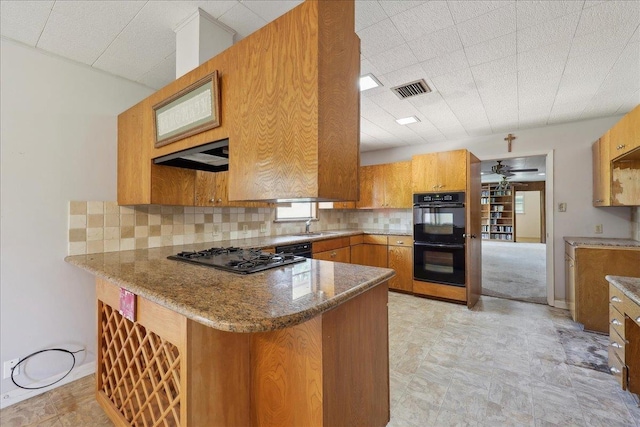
point(548, 202)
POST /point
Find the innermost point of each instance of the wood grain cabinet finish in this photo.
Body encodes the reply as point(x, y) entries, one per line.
point(212, 189)
point(624, 340)
point(625, 135)
point(400, 259)
point(289, 107)
point(331, 370)
point(587, 289)
point(601, 172)
point(385, 186)
point(337, 205)
point(440, 172)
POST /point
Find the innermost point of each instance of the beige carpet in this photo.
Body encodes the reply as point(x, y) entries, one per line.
point(514, 271)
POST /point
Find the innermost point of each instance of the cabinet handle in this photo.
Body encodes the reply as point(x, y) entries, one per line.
point(400, 242)
point(614, 370)
point(333, 254)
point(615, 344)
point(615, 322)
point(638, 319)
point(615, 299)
point(599, 201)
point(434, 187)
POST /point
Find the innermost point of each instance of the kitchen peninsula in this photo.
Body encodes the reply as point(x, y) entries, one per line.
point(304, 344)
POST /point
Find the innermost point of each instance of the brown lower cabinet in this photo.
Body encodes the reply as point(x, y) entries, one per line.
point(337, 250)
point(393, 251)
point(624, 340)
point(165, 369)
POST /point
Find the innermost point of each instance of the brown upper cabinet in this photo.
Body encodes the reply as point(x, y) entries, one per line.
point(289, 105)
point(616, 163)
point(385, 186)
point(436, 172)
point(625, 135)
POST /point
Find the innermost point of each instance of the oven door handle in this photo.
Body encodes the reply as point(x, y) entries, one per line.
point(438, 245)
point(439, 205)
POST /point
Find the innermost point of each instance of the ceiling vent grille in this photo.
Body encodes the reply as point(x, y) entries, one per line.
point(411, 89)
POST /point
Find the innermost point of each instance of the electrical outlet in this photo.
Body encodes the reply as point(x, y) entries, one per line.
point(245, 229)
point(598, 229)
point(6, 371)
point(562, 207)
point(263, 228)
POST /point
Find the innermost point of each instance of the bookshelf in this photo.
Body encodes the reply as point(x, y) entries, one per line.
point(498, 219)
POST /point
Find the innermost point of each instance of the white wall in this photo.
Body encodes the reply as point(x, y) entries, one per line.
point(58, 141)
point(571, 144)
point(528, 222)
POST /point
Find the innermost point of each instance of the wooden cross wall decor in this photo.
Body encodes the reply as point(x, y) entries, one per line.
point(509, 139)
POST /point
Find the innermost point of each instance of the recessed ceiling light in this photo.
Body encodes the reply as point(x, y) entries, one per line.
point(407, 120)
point(541, 174)
point(368, 82)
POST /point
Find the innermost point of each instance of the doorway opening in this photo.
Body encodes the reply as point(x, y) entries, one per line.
point(514, 250)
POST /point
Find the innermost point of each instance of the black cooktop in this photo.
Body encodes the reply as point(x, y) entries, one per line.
point(237, 260)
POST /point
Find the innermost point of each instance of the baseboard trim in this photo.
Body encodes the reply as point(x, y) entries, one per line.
point(561, 304)
point(18, 395)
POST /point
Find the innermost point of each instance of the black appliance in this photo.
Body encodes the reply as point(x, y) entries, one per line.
point(439, 238)
point(300, 249)
point(237, 260)
point(212, 157)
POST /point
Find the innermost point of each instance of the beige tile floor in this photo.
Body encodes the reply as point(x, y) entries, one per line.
point(500, 364)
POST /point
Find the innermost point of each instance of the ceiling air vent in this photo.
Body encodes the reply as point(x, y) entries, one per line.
point(411, 89)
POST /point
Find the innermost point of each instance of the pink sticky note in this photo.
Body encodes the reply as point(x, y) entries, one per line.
point(128, 304)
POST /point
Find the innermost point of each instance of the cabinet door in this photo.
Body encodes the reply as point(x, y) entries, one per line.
point(357, 254)
point(172, 186)
point(375, 255)
point(452, 170)
point(335, 255)
point(424, 173)
point(371, 187)
point(625, 135)
point(212, 189)
point(601, 172)
point(397, 185)
point(401, 260)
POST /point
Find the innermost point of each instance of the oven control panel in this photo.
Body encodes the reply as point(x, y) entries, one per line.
point(439, 197)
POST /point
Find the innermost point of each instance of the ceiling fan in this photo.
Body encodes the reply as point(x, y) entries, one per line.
point(506, 170)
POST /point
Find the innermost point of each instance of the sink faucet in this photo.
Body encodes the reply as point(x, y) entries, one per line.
point(306, 225)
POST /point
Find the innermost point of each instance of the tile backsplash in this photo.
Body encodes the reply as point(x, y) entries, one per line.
point(96, 226)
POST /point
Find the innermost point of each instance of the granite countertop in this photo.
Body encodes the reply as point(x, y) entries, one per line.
point(264, 301)
point(630, 286)
point(271, 241)
point(602, 241)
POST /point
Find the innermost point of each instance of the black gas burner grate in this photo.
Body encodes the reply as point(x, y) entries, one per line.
point(237, 260)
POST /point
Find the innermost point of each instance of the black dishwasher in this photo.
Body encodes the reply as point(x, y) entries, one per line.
point(299, 249)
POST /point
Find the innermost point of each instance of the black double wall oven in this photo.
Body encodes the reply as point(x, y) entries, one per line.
point(439, 238)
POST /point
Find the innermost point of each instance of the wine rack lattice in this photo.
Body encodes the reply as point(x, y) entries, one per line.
point(140, 371)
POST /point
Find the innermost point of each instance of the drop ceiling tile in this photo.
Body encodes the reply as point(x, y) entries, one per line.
point(435, 44)
point(491, 50)
point(544, 58)
point(405, 75)
point(494, 24)
point(453, 134)
point(394, 59)
point(629, 103)
point(605, 39)
point(146, 41)
point(160, 75)
point(445, 63)
point(533, 12)
point(82, 30)
point(635, 38)
point(24, 20)
point(242, 19)
point(591, 3)
point(609, 14)
point(466, 10)
point(368, 13)
point(597, 64)
point(562, 113)
point(494, 69)
point(459, 83)
point(393, 7)
point(378, 38)
point(270, 10)
point(424, 19)
point(555, 31)
point(214, 8)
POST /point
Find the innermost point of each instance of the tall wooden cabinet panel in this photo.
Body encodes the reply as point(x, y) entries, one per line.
point(289, 105)
point(295, 127)
point(371, 187)
point(601, 171)
point(400, 258)
point(444, 171)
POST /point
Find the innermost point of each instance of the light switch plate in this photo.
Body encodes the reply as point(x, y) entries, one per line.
point(562, 207)
point(598, 229)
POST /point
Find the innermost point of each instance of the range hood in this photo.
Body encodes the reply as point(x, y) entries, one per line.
point(212, 157)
